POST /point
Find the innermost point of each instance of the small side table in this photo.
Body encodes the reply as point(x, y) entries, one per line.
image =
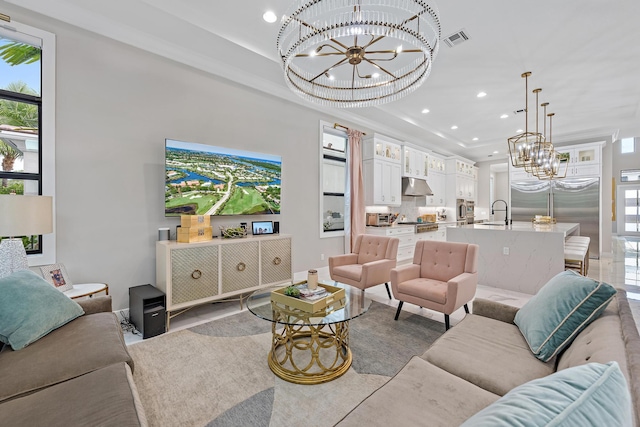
point(87, 290)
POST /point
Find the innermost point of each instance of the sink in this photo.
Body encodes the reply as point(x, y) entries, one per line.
point(490, 223)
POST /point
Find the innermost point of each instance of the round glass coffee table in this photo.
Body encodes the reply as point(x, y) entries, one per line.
point(309, 348)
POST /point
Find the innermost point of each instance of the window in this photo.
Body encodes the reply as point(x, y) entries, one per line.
point(632, 210)
point(629, 175)
point(627, 145)
point(27, 120)
point(333, 182)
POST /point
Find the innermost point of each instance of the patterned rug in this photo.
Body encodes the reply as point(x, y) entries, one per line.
point(216, 374)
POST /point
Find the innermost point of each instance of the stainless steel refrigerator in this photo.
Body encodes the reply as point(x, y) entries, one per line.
point(567, 200)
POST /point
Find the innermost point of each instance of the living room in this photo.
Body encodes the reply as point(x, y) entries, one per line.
point(115, 105)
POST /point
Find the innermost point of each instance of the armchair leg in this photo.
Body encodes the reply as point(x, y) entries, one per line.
point(399, 310)
point(386, 285)
point(466, 308)
point(446, 322)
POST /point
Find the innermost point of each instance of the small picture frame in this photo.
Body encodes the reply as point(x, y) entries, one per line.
point(56, 275)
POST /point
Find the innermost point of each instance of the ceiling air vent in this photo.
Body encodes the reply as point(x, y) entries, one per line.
point(456, 38)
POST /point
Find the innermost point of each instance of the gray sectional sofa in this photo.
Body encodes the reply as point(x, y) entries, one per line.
point(77, 375)
point(485, 356)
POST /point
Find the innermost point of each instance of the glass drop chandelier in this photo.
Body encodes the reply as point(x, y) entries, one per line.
point(358, 53)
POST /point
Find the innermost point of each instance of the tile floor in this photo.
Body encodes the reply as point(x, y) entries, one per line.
point(621, 270)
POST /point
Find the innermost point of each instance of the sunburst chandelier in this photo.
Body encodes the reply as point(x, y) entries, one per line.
point(358, 53)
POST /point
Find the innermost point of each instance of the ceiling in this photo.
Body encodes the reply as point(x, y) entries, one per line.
point(584, 54)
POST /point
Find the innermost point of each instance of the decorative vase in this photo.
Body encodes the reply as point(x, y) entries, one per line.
point(312, 279)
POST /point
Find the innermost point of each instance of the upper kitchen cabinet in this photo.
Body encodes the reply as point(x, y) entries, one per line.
point(415, 163)
point(381, 170)
point(437, 181)
point(577, 160)
point(581, 160)
point(381, 147)
point(462, 179)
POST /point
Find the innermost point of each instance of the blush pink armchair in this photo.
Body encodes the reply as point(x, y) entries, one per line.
point(370, 263)
point(443, 277)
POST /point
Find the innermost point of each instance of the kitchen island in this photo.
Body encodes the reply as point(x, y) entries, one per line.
point(519, 257)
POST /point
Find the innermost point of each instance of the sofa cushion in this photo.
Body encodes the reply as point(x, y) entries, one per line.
point(582, 396)
point(488, 353)
point(562, 308)
point(600, 342)
point(86, 344)
point(420, 394)
point(30, 308)
point(106, 397)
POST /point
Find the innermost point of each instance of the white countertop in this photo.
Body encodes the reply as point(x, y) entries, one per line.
point(562, 227)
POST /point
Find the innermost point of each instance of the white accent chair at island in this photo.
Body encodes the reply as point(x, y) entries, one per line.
point(370, 263)
point(443, 277)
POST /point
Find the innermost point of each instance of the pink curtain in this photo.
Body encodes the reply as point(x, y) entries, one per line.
point(356, 186)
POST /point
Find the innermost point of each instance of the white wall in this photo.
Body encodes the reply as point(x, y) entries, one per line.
point(116, 105)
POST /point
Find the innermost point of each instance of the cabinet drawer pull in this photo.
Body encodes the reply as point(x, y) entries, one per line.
point(241, 266)
point(196, 274)
point(277, 261)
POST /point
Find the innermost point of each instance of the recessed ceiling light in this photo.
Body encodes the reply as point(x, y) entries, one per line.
point(519, 131)
point(474, 139)
point(495, 152)
point(270, 17)
point(481, 94)
point(375, 75)
point(425, 111)
point(504, 116)
point(454, 127)
point(399, 49)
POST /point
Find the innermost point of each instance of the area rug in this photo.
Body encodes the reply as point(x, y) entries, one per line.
point(216, 374)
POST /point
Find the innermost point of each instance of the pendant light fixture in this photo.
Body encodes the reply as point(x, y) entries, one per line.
point(521, 146)
point(358, 53)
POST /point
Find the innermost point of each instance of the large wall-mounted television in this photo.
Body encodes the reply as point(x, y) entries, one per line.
point(202, 179)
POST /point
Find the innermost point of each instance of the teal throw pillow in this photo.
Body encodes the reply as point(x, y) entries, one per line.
point(30, 308)
point(564, 306)
point(587, 395)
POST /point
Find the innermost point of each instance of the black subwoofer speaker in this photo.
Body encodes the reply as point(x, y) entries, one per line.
point(147, 310)
point(276, 227)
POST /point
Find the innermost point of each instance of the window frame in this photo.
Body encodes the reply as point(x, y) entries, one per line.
point(47, 142)
point(633, 146)
point(333, 233)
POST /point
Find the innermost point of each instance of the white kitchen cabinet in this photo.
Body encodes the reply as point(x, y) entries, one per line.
point(381, 147)
point(581, 160)
point(462, 178)
point(415, 163)
point(382, 171)
point(406, 235)
point(437, 164)
point(437, 183)
point(382, 183)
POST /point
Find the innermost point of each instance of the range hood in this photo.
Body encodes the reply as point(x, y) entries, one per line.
point(415, 187)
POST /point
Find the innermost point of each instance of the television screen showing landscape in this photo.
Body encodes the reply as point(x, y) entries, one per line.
point(206, 180)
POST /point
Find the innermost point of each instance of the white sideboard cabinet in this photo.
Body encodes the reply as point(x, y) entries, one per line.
point(191, 274)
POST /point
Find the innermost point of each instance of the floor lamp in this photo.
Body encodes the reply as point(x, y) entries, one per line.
point(21, 216)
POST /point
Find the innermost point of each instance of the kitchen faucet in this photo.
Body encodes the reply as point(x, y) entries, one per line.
point(506, 210)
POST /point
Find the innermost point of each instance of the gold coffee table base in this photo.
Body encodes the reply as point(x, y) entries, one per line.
point(310, 354)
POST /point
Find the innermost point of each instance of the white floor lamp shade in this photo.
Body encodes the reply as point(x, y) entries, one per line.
point(21, 216)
